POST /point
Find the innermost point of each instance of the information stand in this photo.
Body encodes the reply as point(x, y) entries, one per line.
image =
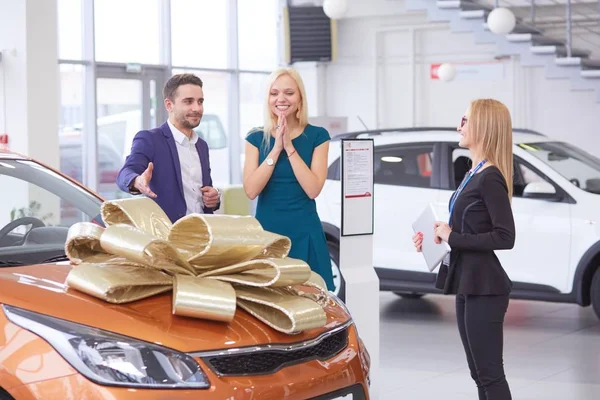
point(356, 246)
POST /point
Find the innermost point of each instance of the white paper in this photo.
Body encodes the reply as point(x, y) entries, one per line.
point(358, 163)
point(357, 187)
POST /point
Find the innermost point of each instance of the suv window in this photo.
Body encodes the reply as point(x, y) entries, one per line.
point(522, 173)
point(579, 167)
point(408, 165)
point(333, 172)
point(39, 211)
point(461, 164)
point(522, 176)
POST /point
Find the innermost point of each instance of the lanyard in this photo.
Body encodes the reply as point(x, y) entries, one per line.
point(461, 187)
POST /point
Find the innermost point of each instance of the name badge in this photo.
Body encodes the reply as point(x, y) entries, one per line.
point(446, 260)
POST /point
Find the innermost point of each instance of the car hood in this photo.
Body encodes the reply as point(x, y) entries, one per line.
point(42, 289)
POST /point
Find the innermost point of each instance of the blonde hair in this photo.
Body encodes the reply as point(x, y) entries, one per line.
point(270, 119)
point(490, 124)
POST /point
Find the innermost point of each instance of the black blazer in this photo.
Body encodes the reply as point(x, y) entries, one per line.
point(482, 221)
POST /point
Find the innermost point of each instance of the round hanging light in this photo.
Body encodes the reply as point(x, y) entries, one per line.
point(335, 9)
point(446, 72)
point(501, 21)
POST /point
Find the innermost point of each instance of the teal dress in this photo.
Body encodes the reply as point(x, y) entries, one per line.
point(284, 208)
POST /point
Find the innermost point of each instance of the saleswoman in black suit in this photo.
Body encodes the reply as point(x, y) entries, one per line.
point(481, 221)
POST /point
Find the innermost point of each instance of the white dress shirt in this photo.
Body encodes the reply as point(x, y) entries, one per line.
point(191, 169)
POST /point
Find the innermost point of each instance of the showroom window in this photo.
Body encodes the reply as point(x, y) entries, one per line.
point(408, 165)
point(71, 118)
point(216, 87)
point(112, 79)
point(253, 96)
point(257, 34)
point(200, 33)
point(70, 29)
point(139, 42)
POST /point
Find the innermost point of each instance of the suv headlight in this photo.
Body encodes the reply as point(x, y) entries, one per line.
point(111, 359)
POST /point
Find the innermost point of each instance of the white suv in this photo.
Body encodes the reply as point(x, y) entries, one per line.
point(555, 205)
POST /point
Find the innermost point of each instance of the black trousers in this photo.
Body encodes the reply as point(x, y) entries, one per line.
point(480, 324)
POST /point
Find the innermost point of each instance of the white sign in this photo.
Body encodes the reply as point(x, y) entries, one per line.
point(357, 187)
point(486, 71)
point(359, 177)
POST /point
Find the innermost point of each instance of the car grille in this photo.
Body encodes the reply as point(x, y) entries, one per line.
point(269, 360)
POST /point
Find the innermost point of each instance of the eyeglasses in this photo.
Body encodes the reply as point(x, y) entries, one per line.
point(463, 121)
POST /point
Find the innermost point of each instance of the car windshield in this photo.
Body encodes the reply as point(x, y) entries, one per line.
point(37, 207)
point(580, 168)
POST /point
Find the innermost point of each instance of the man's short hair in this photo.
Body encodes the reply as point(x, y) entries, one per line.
point(177, 80)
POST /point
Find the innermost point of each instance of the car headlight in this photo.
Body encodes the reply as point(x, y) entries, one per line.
point(111, 359)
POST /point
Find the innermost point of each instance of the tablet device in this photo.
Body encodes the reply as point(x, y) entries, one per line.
point(434, 253)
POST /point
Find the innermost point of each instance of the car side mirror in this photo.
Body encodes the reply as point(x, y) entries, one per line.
point(593, 185)
point(540, 190)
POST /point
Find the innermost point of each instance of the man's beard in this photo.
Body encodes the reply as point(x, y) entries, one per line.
point(188, 125)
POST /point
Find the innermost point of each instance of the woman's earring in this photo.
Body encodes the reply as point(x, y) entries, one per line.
point(298, 113)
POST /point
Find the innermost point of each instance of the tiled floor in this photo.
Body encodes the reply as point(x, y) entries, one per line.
point(552, 351)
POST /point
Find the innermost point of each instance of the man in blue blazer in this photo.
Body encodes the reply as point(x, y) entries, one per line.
point(170, 164)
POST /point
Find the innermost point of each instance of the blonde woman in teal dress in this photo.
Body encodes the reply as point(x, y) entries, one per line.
point(286, 168)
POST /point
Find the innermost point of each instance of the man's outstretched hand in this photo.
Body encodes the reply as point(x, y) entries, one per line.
point(142, 182)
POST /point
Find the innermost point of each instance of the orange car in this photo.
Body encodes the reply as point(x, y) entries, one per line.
point(59, 343)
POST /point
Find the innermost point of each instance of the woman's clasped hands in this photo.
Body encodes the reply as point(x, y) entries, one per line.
point(282, 135)
point(279, 133)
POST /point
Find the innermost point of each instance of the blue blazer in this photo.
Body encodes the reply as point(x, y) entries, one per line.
point(158, 146)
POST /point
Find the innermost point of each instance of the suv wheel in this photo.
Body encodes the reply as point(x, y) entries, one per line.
point(595, 292)
point(338, 279)
point(4, 395)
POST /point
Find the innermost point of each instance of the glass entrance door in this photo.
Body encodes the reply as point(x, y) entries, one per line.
point(126, 103)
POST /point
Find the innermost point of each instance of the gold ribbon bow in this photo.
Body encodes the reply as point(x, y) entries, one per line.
point(211, 262)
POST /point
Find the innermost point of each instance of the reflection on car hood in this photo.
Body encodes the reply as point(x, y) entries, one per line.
point(42, 289)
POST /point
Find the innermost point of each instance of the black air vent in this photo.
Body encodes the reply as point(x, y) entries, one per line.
point(270, 361)
point(310, 37)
